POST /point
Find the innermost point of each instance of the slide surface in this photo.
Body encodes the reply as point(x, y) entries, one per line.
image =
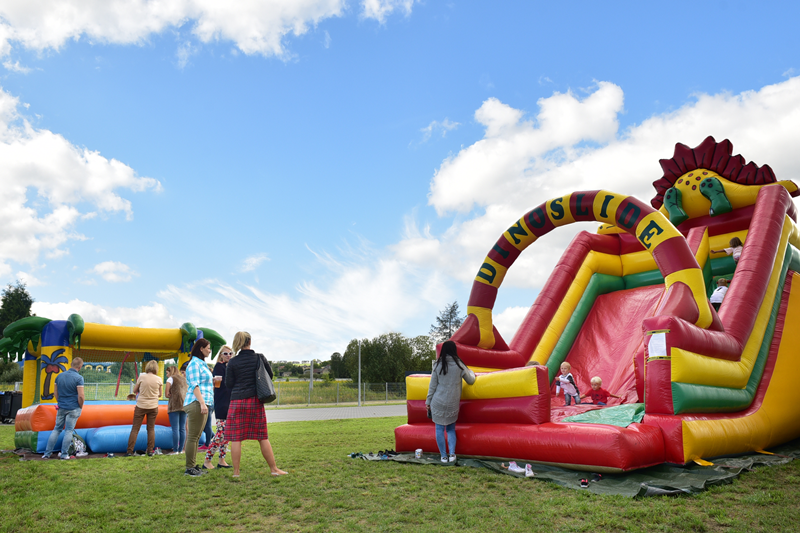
point(606, 347)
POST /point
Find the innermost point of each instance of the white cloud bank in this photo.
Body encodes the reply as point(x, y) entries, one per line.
point(258, 27)
point(155, 315)
point(43, 182)
point(366, 298)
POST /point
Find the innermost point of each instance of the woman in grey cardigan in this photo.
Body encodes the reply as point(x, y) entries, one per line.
point(444, 397)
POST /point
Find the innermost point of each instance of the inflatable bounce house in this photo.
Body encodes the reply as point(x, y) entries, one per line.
point(49, 347)
point(630, 304)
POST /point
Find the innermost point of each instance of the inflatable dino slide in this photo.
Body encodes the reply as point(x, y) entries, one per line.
point(630, 304)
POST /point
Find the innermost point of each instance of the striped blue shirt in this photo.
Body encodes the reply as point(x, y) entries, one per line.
point(198, 375)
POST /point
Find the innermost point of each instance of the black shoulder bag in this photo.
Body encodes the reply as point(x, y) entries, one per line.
point(265, 390)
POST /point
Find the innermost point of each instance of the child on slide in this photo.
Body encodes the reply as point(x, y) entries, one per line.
point(566, 382)
point(735, 249)
point(598, 393)
point(719, 293)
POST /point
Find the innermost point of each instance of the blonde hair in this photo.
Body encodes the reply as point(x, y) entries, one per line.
point(152, 367)
point(172, 370)
point(565, 364)
point(596, 379)
point(532, 363)
point(223, 348)
point(240, 340)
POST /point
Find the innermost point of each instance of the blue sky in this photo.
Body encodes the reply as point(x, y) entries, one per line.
point(319, 170)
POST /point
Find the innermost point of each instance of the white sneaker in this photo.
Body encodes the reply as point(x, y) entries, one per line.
point(444, 460)
point(452, 458)
point(512, 467)
point(81, 454)
point(529, 471)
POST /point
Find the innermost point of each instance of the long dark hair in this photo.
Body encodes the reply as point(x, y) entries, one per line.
point(199, 345)
point(448, 350)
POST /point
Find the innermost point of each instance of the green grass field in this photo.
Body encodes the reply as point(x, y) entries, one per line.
point(327, 491)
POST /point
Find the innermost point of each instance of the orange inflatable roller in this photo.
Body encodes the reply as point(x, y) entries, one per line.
point(42, 417)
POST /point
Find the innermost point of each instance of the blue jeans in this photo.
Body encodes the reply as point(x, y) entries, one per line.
point(567, 399)
point(65, 421)
point(177, 420)
point(451, 438)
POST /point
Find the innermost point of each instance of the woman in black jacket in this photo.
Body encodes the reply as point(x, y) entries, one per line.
point(247, 419)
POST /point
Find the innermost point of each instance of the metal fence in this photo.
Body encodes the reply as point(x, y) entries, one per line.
point(289, 393)
point(299, 392)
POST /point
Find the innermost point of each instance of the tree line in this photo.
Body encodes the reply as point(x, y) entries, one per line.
point(391, 356)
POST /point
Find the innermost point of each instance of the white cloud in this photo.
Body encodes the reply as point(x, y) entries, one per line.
point(436, 126)
point(254, 27)
point(154, 315)
point(44, 180)
point(29, 279)
point(369, 295)
point(509, 320)
point(514, 152)
point(253, 262)
point(381, 9)
point(16, 67)
point(184, 52)
point(114, 271)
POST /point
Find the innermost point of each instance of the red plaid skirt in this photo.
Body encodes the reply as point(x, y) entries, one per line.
point(247, 420)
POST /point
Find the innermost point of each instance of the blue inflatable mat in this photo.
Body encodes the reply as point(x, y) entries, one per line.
point(41, 442)
point(114, 439)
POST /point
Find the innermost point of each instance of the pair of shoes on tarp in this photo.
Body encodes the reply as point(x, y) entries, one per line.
point(387, 453)
point(595, 478)
point(514, 467)
point(449, 459)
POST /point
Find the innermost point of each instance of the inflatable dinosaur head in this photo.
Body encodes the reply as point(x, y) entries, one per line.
point(709, 180)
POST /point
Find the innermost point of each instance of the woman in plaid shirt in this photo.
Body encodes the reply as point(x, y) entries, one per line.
point(199, 398)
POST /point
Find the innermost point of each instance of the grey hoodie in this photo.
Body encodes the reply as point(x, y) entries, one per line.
point(444, 392)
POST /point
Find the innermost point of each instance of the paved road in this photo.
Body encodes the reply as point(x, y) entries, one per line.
point(335, 413)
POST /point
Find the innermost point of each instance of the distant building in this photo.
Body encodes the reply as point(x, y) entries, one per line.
point(98, 367)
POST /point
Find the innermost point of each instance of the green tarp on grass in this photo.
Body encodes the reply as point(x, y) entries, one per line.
point(661, 480)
